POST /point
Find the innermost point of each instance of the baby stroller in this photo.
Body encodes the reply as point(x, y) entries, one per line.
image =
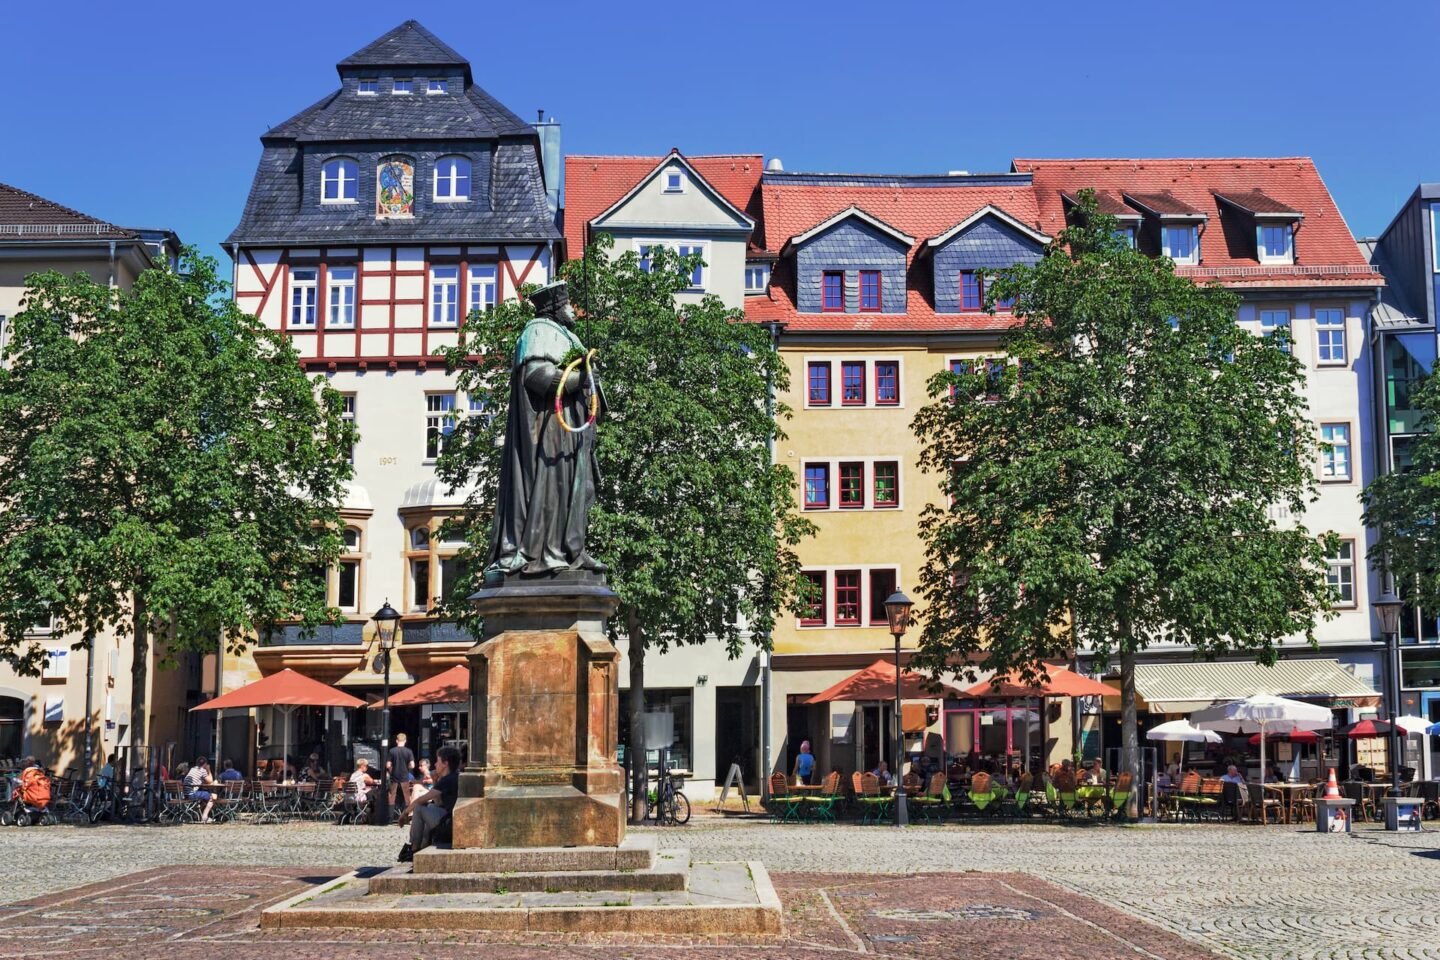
point(27, 799)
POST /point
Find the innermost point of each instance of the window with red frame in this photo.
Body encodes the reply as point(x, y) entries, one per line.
point(832, 291)
point(847, 597)
point(817, 486)
point(994, 379)
point(852, 485)
point(972, 290)
point(882, 584)
point(959, 368)
point(818, 384)
point(887, 382)
point(852, 383)
point(813, 598)
point(887, 484)
point(869, 290)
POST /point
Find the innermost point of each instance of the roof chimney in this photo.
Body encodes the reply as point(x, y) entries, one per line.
point(775, 165)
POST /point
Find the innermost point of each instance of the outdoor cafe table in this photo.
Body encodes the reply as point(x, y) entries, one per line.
point(1289, 793)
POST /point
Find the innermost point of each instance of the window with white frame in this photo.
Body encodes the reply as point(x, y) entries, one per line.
point(1276, 323)
point(439, 422)
point(369, 88)
point(1330, 337)
point(482, 287)
point(452, 179)
point(339, 180)
point(1275, 242)
point(1335, 452)
point(347, 579)
point(1340, 573)
point(302, 297)
point(347, 414)
point(1126, 234)
point(674, 180)
point(444, 296)
point(695, 276)
point(1180, 242)
point(402, 86)
point(696, 273)
point(341, 296)
point(418, 560)
point(438, 85)
point(757, 278)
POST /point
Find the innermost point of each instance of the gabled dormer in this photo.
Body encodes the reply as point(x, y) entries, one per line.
point(1171, 227)
point(963, 257)
point(1263, 227)
point(851, 263)
point(1128, 219)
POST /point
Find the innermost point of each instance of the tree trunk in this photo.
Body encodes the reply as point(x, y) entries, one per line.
point(1129, 734)
point(635, 755)
point(139, 670)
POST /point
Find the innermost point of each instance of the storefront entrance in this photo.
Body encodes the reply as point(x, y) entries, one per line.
point(993, 733)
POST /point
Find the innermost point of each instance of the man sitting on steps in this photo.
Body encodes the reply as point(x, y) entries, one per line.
point(429, 813)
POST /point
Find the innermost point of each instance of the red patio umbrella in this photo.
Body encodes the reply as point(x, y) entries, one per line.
point(285, 690)
point(877, 682)
point(452, 686)
point(1294, 736)
point(1365, 730)
point(1061, 683)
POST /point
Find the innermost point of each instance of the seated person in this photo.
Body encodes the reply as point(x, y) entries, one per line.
point(196, 777)
point(882, 773)
point(1233, 775)
point(1273, 775)
point(314, 771)
point(428, 812)
point(230, 773)
point(362, 779)
point(423, 775)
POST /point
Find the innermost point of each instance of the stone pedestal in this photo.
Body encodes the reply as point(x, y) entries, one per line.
point(1402, 814)
point(544, 718)
point(1334, 815)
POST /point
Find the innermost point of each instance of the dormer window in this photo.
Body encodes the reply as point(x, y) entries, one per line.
point(339, 180)
point(403, 87)
point(757, 278)
point(452, 179)
point(1276, 242)
point(832, 291)
point(674, 181)
point(972, 290)
point(438, 85)
point(1126, 235)
point(1180, 242)
point(369, 88)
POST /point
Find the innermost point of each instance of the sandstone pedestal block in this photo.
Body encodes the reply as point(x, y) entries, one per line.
point(544, 709)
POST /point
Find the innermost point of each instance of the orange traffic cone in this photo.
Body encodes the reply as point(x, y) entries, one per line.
point(1332, 789)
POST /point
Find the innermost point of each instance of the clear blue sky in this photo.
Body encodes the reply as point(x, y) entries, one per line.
point(150, 114)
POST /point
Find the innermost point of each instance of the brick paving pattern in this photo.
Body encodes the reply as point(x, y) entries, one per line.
point(1243, 892)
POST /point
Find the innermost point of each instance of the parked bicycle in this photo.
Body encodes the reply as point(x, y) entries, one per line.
point(667, 804)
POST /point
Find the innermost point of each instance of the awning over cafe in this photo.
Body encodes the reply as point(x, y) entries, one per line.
point(1183, 687)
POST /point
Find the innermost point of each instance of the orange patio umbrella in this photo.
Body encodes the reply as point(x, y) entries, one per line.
point(285, 690)
point(877, 682)
point(1061, 683)
point(452, 686)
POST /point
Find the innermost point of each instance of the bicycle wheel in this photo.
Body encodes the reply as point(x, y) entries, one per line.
point(679, 808)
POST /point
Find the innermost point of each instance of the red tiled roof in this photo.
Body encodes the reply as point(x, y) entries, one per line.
point(1325, 250)
point(24, 215)
point(920, 211)
point(594, 183)
point(1256, 202)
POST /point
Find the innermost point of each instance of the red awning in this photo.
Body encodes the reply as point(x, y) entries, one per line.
point(1294, 736)
point(452, 686)
point(877, 682)
point(1062, 683)
point(286, 688)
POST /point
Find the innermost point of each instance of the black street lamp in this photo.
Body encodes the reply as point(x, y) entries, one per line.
point(897, 611)
point(1387, 608)
point(387, 618)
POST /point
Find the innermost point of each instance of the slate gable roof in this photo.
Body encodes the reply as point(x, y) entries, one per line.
point(508, 194)
point(25, 215)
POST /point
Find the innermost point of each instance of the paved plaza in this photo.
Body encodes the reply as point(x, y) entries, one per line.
point(1043, 891)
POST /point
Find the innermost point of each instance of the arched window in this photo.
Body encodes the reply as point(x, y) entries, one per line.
point(452, 179)
point(339, 179)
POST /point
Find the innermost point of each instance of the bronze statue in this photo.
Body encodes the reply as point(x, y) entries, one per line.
point(548, 477)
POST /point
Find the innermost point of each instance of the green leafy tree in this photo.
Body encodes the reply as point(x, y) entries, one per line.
point(1404, 508)
point(1111, 484)
point(167, 471)
point(695, 522)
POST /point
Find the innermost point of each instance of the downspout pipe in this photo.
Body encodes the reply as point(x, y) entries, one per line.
point(766, 654)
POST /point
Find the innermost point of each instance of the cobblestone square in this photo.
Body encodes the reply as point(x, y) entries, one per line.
point(983, 890)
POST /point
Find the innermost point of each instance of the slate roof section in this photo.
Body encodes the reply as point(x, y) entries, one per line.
point(508, 200)
point(921, 207)
point(409, 44)
point(594, 183)
point(1325, 251)
point(29, 216)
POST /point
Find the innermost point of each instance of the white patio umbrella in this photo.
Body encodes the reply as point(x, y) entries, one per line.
point(1412, 725)
point(1181, 731)
point(1264, 714)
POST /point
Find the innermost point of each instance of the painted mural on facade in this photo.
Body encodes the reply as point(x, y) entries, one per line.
point(395, 188)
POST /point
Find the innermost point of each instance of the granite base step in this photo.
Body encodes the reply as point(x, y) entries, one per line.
point(670, 871)
point(720, 898)
point(634, 853)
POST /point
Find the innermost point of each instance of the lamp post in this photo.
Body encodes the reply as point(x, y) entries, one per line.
point(897, 611)
point(386, 619)
point(1387, 608)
